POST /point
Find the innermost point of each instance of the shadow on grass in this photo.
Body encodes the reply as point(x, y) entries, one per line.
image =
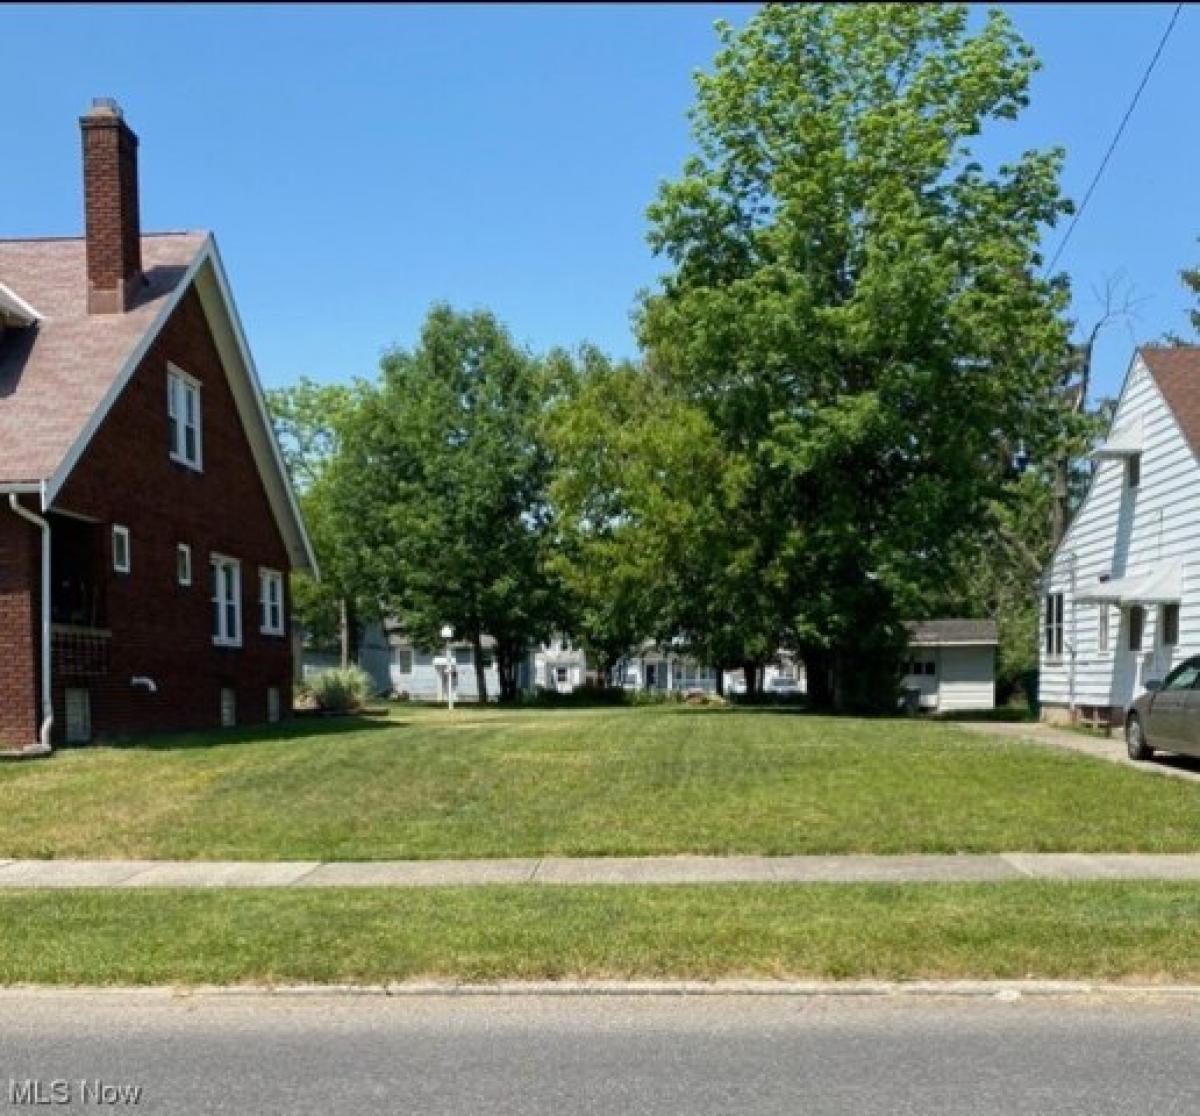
point(299, 728)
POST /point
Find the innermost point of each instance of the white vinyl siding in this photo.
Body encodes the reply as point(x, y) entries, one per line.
point(412, 672)
point(227, 601)
point(1119, 532)
point(183, 418)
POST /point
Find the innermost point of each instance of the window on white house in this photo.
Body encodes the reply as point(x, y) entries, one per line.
point(1054, 625)
point(183, 564)
point(1133, 470)
point(1102, 633)
point(270, 602)
point(1168, 624)
point(402, 657)
point(183, 417)
point(1137, 621)
point(122, 554)
point(227, 601)
point(463, 656)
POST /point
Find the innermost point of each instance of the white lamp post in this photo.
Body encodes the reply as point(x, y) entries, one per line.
point(448, 635)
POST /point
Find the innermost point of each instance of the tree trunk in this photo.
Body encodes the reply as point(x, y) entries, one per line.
point(720, 681)
point(1062, 489)
point(817, 665)
point(750, 674)
point(480, 669)
point(347, 632)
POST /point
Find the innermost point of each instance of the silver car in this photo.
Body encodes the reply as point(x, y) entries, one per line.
point(1167, 716)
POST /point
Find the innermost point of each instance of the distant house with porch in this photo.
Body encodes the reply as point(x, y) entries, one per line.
point(1121, 597)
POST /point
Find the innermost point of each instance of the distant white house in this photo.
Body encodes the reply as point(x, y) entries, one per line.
point(559, 666)
point(666, 669)
point(1121, 597)
point(951, 664)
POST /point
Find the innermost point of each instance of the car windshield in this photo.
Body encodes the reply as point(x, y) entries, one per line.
point(1183, 677)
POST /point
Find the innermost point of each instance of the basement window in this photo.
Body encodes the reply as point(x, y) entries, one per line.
point(183, 418)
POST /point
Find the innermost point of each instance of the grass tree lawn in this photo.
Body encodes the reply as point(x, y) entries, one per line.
point(491, 783)
point(1109, 931)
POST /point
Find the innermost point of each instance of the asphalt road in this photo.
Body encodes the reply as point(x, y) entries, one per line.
point(566, 1055)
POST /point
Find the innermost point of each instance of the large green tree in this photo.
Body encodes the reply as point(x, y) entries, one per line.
point(308, 418)
point(443, 474)
point(641, 488)
point(856, 304)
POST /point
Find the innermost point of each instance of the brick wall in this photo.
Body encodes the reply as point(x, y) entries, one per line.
point(20, 555)
point(110, 199)
point(160, 629)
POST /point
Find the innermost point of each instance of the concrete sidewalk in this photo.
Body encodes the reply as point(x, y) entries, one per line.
point(134, 874)
point(1110, 748)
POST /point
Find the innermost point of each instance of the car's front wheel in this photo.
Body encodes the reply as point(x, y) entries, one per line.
point(1135, 739)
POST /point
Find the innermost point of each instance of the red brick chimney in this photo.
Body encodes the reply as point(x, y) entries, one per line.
point(110, 202)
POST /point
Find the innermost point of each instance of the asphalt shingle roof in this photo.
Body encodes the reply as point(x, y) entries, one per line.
point(54, 375)
point(930, 633)
point(1176, 371)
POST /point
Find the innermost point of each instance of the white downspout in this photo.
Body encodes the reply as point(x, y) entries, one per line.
point(47, 684)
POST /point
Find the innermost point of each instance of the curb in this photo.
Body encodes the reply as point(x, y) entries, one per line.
point(1002, 990)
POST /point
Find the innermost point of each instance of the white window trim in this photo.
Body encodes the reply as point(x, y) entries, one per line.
point(266, 578)
point(119, 532)
point(174, 373)
point(184, 551)
point(222, 638)
point(1104, 628)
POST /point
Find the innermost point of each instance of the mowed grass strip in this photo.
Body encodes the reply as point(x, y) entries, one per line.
point(1110, 931)
point(500, 783)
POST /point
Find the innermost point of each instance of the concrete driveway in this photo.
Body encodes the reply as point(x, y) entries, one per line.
point(1110, 748)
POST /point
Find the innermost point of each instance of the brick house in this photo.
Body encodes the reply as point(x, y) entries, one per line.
point(147, 524)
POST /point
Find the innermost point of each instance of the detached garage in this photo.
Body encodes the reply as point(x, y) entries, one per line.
point(952, 664)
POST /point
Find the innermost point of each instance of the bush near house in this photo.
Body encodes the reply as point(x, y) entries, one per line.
point(341, 690)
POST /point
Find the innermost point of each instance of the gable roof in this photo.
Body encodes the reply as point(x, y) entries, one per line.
point(60, 376)
point(1176, 371)
point(950, 633)
point(55, 373)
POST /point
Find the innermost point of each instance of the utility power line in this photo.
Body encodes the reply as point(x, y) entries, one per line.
point(1116, 136)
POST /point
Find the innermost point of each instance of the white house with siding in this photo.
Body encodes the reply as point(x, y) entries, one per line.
point(1121, 597)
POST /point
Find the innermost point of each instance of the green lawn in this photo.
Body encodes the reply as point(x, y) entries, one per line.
point(1007, 930)
point(485, 783)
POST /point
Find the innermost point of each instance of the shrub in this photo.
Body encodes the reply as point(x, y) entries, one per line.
point(342, 689)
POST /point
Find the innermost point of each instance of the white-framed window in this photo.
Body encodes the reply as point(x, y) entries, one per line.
point(1054, 625)
point(402, 658)
point(122, 552)
point(183, 564)
point(1137, 621)
point(1133, 470)
point(270, 602)
point(1168, 624)
point(183, 417)
point(1102, 630)
point(227, 601)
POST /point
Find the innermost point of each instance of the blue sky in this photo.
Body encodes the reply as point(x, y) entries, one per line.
point(359, 163)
